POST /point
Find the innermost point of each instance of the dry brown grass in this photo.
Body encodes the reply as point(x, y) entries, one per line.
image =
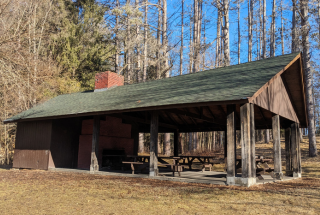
point(43, 192)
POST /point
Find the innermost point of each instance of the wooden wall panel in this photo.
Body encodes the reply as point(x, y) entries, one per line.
point(275, 98)
point(34, 135)
point(31, 159)
point(32, 145)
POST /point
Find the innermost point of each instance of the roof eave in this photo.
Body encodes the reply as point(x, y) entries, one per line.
point(163, 107)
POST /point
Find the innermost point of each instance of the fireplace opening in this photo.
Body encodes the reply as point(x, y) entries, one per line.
point(112, 158)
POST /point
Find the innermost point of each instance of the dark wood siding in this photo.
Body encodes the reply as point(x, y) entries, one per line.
point(65, 142)
point(276, 99)
point(31, 159)
point(32, 145)
point(33, 135)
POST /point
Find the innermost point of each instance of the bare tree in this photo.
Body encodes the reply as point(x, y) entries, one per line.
point(218, 47)
point(250, 16)
point(165, 39)
point(273, 30)
point(239, 30)
point(181, 38)
point(159, 29)
point(264, 33)
point(145, 47)
point(294, 46)
point(281, 29)
point(305, 29)
point(226, 33)
point(116, 62)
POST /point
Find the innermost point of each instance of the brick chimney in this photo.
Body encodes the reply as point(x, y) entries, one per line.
point(105, 80)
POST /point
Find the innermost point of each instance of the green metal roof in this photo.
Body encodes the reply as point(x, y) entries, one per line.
point(222, 84)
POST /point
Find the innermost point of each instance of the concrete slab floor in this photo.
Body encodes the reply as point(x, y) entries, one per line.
point(207, 177)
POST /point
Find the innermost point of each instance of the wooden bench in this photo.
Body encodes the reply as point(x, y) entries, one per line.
point(142, 165)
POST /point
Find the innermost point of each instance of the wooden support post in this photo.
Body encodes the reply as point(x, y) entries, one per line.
point(248, 144)
point(176, 143)
point(295, 150)
point(135, 136)
point(94, 166)
point(277, 147)
point(153, 169)
point(288, 152)
point(231, 144)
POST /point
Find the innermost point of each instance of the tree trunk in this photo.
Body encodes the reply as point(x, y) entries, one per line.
point(195, 36)
point(226, 33)
point(266, 136)
point(167, 144)
point(141, 143)
point(273, 30)
point(250, 12)
point(128, 42)
point(190, 142)
point(165, 38)
point(264, 33)
point(195, 141)
point(239, 32)
point(282, 37)
point(139, 77)
point(294, 46)
point(116, 61)
point(181, 144)
point(181, 47)
point(159, 41)
point(218, 37)
point(190, 45)
point(305, 28)
point(145, 48)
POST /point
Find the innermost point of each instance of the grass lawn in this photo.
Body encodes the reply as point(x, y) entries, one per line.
point(44, 192)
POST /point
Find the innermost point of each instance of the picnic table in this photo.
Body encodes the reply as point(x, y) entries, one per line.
point(206, 161)
point(262, 166)
point(140, 163)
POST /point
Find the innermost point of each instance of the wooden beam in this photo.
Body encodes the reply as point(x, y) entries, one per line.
point(172, 119)
point(94, 166)
point(176, 143)
point(135, 137)
point(182, 119)
point(210, 111)
point(231, 142)
point(222, 110)
point(145, 121)
point(253, 142)
point(153, 168)
point(248, 142)
point(166, 115)
point(295, 150)
point(192, 115)
point(288, 152)
point(277, 147)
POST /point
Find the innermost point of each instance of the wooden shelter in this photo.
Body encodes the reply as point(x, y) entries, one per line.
point(264, 94)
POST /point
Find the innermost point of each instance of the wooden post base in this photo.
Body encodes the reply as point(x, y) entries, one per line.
point(278, 175)
point(94, 168)
point(239, 181)
point(297, 175)
point(153, 173)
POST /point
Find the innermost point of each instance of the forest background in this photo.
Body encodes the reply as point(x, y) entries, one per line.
point(53, 47)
